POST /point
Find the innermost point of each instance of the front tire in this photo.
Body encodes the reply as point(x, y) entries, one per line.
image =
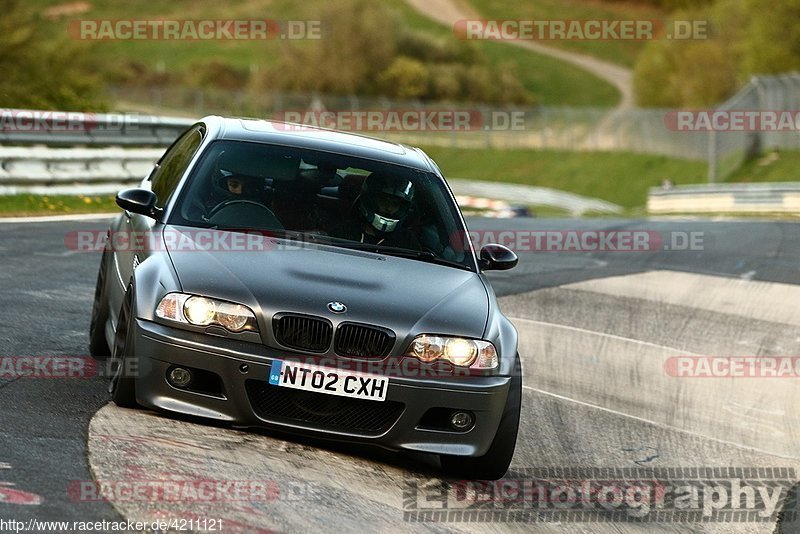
point(122, 386)
point(98, 346)
point(494, 464)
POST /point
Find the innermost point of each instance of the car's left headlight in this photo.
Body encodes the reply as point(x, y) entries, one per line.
point(204, 311)
point(459, 351)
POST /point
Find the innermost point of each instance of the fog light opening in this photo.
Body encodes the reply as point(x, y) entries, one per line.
point(179, 377)
point(462, 421)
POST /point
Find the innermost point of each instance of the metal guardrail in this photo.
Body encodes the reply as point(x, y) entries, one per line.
point(726, 198)
point(33, 166)
point(62, 128)
point(73, 171)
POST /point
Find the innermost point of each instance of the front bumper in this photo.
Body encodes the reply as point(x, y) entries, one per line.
point(243, 370)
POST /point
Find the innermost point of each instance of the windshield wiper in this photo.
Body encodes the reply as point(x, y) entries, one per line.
point(251, 230)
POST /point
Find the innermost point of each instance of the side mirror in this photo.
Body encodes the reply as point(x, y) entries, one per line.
point(497, 258)
point(141, 201)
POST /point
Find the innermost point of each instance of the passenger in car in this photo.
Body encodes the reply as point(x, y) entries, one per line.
point(380, 212)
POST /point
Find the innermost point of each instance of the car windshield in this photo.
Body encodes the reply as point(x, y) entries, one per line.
point(332, 198)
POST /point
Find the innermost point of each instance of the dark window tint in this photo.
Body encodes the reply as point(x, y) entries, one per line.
point(303, 191)
point(174, 163)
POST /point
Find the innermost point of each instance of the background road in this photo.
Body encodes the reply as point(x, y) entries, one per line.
point(449, 12)
point(590, 324)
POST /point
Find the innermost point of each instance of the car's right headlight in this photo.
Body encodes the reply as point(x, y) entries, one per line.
point(460, 351)
point(204, 311)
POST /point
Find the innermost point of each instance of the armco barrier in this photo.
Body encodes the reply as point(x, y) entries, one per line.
point(72, 171)
point(61, 128)
point(726, 198)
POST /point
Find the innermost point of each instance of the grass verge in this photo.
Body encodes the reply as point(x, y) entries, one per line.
point(618, 177)
point(21, 205)
point(773, 166)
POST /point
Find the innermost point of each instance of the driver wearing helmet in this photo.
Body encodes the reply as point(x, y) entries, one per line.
point(229, 183)
point(382, 209)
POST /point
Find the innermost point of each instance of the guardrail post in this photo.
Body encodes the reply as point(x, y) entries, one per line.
point(712, 156)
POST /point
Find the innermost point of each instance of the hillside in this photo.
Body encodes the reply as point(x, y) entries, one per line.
point(263, 65)
point(623, 52)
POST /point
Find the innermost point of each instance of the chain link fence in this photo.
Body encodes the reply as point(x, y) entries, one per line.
point(650, 131)
point(560, 128)
point(728, 150)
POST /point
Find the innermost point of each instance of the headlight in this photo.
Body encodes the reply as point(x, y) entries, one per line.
point(204, 311)
point(199, 310)
point(459, 351)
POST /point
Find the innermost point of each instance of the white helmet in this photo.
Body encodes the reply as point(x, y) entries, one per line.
point(385, 201)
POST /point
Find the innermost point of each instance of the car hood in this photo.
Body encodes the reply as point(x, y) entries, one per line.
point(275, 275)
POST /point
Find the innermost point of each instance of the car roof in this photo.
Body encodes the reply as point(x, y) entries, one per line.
point(314, 138)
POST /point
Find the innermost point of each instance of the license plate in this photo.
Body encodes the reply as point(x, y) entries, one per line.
point(326, 380)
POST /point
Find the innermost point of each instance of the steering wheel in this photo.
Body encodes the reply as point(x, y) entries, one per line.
point(244, 214)
point(233, 202)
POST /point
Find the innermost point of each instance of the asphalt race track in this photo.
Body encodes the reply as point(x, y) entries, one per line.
point(598, 333)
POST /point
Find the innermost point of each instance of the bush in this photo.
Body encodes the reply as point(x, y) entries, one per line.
point(216, 73)
point(445, 84)
point(406, 78)
point(136, 74)
point(359, 44)
point(432, 49)
point(44, 74)
point(684, 74)
point(367, 51)
point(770, 38)
point(747, 39)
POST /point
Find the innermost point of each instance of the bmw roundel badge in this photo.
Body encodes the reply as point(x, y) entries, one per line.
point(337, 307)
